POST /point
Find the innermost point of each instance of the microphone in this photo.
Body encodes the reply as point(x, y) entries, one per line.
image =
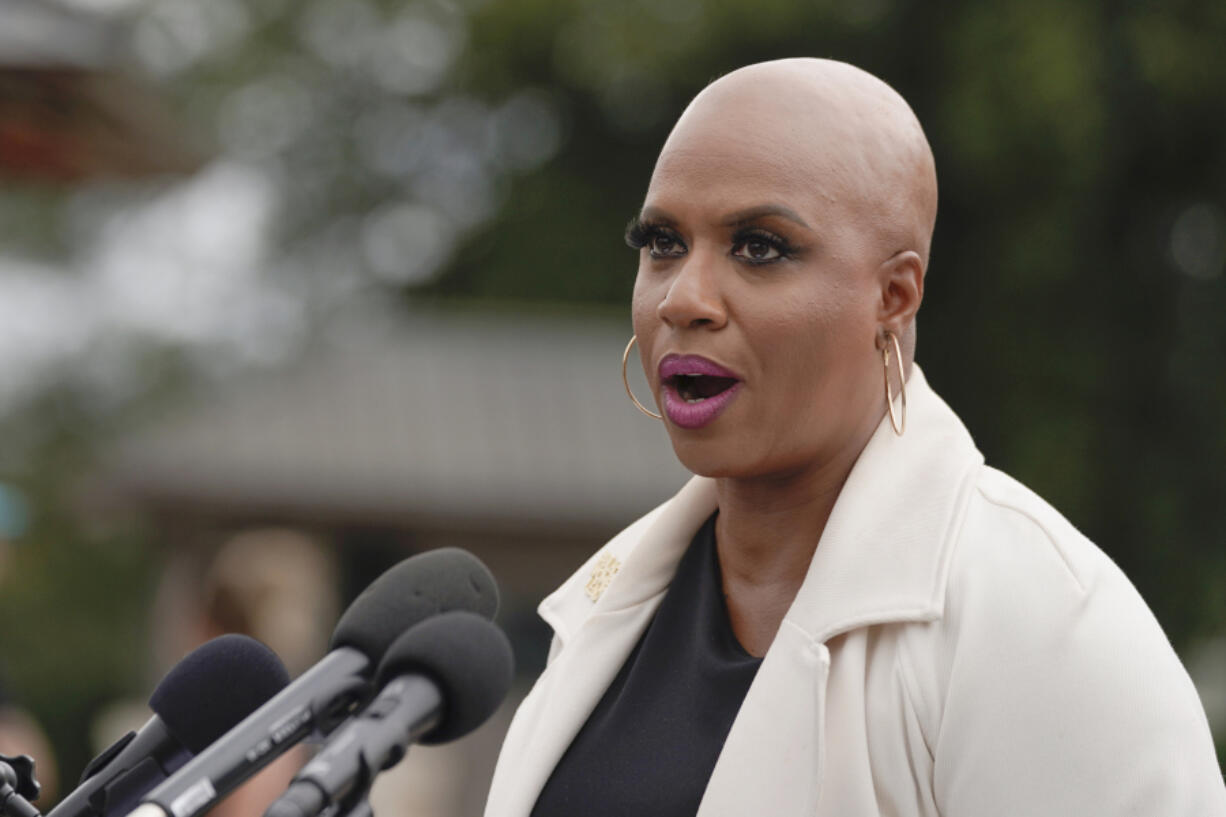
point(441, 679)
point(204, 695)
point(413, 590)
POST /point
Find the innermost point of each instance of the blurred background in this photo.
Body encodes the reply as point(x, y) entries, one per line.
point(292, 290)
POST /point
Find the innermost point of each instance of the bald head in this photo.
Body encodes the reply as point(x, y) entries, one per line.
point(846, 135)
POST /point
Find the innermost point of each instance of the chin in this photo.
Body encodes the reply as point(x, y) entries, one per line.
point(744, 455)
point(715, 456)
point(704, 457)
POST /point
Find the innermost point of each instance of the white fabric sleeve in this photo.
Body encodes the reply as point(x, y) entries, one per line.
point(1061, 694)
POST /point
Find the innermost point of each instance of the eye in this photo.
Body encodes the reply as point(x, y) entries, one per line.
point(664, 244)
point(759, 247)
point(660, 241)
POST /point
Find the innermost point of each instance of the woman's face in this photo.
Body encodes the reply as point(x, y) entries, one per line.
point(757, 276)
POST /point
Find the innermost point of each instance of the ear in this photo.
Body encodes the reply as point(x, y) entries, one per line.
point(901, 279)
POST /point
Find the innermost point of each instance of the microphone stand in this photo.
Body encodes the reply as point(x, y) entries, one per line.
point(18, 786)
point(352, 807)
point(356, 804)
point(360, 809)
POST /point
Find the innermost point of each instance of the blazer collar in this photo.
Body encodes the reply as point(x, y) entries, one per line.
point(884, 554)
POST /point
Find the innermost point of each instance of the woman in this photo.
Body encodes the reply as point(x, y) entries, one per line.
point(846, 613)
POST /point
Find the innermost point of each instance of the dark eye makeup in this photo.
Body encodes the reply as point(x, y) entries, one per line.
point(661, 240)
point(755, 245)
point(751, 245)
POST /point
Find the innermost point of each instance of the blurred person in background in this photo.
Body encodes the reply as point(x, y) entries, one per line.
point(275, 585)
point(845, 612)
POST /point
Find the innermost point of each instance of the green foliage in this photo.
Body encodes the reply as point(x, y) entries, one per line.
point(1070, 141)
point(74, 599)
point(1074, 306)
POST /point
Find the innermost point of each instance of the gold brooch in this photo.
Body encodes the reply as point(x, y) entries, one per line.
point(604, 571)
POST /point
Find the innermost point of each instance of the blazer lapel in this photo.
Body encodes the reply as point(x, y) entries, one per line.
point(564, 696)
point(885, 552)
point(598, 640)
point(883, 557)
point(773, 758)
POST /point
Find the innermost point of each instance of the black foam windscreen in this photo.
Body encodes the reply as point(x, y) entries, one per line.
point(216, 686)
point(422, 586)
point(469, 658)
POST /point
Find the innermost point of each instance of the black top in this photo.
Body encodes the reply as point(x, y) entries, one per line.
point(649, 746)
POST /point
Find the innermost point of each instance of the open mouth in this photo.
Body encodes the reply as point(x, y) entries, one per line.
point(694, 388)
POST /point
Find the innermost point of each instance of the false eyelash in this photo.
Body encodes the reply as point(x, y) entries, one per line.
point(639, 232)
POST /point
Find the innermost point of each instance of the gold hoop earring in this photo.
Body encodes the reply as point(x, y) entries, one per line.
point(626, 381)
point(899, 426)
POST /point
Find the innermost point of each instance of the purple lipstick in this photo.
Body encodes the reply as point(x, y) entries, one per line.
point(695, 389)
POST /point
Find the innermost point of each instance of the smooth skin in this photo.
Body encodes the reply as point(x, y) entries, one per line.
point(786, 226)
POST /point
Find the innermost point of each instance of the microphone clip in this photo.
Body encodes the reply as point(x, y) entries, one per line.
point(18, 786)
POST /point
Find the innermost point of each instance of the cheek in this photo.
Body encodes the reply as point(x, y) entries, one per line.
point(802, 331)
point(638, 305)
point(818, 350)
point(643, 318)
point(649, 290)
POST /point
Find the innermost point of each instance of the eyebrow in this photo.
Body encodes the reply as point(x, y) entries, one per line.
point(657, 215)
point(734, 219)
point(754, 213)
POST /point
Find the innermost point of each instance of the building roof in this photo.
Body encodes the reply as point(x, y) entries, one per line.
point(440, 419)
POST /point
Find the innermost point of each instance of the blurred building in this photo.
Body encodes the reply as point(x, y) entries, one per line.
point(279, 495)
point(509, 436)
point(69, 111)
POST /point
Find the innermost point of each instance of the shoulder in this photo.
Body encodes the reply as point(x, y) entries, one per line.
point(1023, 574)
point(1011, 534)
point(1045, 660)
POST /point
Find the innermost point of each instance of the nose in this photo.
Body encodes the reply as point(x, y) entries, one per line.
point(694, 299)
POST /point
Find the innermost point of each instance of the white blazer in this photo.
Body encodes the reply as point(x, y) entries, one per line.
point(957, 649)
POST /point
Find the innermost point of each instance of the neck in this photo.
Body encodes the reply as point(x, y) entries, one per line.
point(766, 534)
point(768, 528)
